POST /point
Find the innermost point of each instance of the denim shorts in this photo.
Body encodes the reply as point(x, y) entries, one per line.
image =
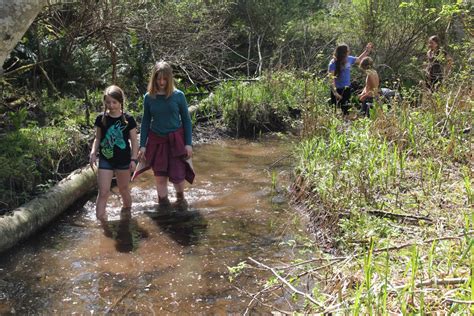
point(105, 164)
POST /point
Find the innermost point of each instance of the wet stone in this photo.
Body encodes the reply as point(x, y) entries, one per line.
point(279, 199)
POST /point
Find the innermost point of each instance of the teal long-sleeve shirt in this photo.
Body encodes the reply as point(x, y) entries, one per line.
point(165, 115)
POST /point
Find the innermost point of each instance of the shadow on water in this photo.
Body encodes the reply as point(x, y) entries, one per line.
point(126, 232)
point(154, 260)
point(183, 226)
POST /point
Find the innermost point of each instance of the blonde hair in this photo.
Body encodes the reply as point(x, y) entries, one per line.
point(164, 69)
point(367, 63)
point(116, 93)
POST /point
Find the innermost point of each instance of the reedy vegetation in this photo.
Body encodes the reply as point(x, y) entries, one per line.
point(412, 158)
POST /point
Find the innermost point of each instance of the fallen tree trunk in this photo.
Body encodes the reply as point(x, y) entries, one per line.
point(32, 216)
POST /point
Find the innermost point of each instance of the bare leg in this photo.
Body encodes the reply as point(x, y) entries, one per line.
point(104, 179)
point(162, 189)
point(162, 186)
point(179, 187)
point(123, 179)
point(181, 203)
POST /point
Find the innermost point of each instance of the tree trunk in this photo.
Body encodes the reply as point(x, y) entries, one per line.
point(35, 214)
point(15, 18)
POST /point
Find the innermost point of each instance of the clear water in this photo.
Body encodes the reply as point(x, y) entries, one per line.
point(152, 261)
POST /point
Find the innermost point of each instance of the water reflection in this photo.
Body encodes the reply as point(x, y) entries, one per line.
point(126, 232)
point(157, 261)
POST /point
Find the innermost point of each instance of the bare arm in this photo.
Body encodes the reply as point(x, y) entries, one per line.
point(134, 146)
point(332, 82)
point(95, 146)
point(134, 143)
point(146, 121)
point(365, 53)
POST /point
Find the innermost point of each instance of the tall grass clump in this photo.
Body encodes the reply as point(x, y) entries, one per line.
point(272, 103)
point(389, 200)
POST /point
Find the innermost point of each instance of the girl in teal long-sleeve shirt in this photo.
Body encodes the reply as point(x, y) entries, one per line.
point(165, 111)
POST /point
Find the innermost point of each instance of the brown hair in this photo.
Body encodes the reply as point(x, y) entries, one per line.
point(116, 93)
point(340, 57)
point(435, 39)
point(164, 69)
point(367, 63)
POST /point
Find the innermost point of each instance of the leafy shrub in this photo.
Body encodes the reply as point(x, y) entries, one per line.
point(269, 104)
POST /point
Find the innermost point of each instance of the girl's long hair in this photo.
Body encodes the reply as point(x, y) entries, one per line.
point(340, 56)
point(164, 69)
point(116, 93)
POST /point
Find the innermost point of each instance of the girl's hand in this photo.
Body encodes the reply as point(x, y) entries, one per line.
point(338, 96)
point(133, 165)
point(369, 47)
point(141, 153)
point(92, 159)
point(189, 151)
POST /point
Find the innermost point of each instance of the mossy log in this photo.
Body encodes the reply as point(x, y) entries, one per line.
point(35, 214)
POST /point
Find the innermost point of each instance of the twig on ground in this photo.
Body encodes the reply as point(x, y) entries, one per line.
point(254, 297)
point(119, 300)
point(451, 281)
point(403, 216)
point(452, 300)
point(382, 249)
point(422, 242)
point(288, 284)
point(280, 159)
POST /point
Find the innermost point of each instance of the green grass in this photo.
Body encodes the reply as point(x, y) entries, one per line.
point(414, 159)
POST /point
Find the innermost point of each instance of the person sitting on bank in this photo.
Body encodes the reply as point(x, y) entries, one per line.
point(371, 90)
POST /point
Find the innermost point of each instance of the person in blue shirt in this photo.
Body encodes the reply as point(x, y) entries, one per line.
point(166, 134)
point(340, 74)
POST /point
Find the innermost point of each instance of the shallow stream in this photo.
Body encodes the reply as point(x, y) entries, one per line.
point(152, 261)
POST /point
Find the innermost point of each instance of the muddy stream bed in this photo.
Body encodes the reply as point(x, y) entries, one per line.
point(152, 261)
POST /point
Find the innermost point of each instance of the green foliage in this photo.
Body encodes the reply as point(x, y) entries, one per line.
point(235, 271)
point(18, 118)
point(410, 159)
point(269, 104)
point(63, 111)
point(33, 156)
